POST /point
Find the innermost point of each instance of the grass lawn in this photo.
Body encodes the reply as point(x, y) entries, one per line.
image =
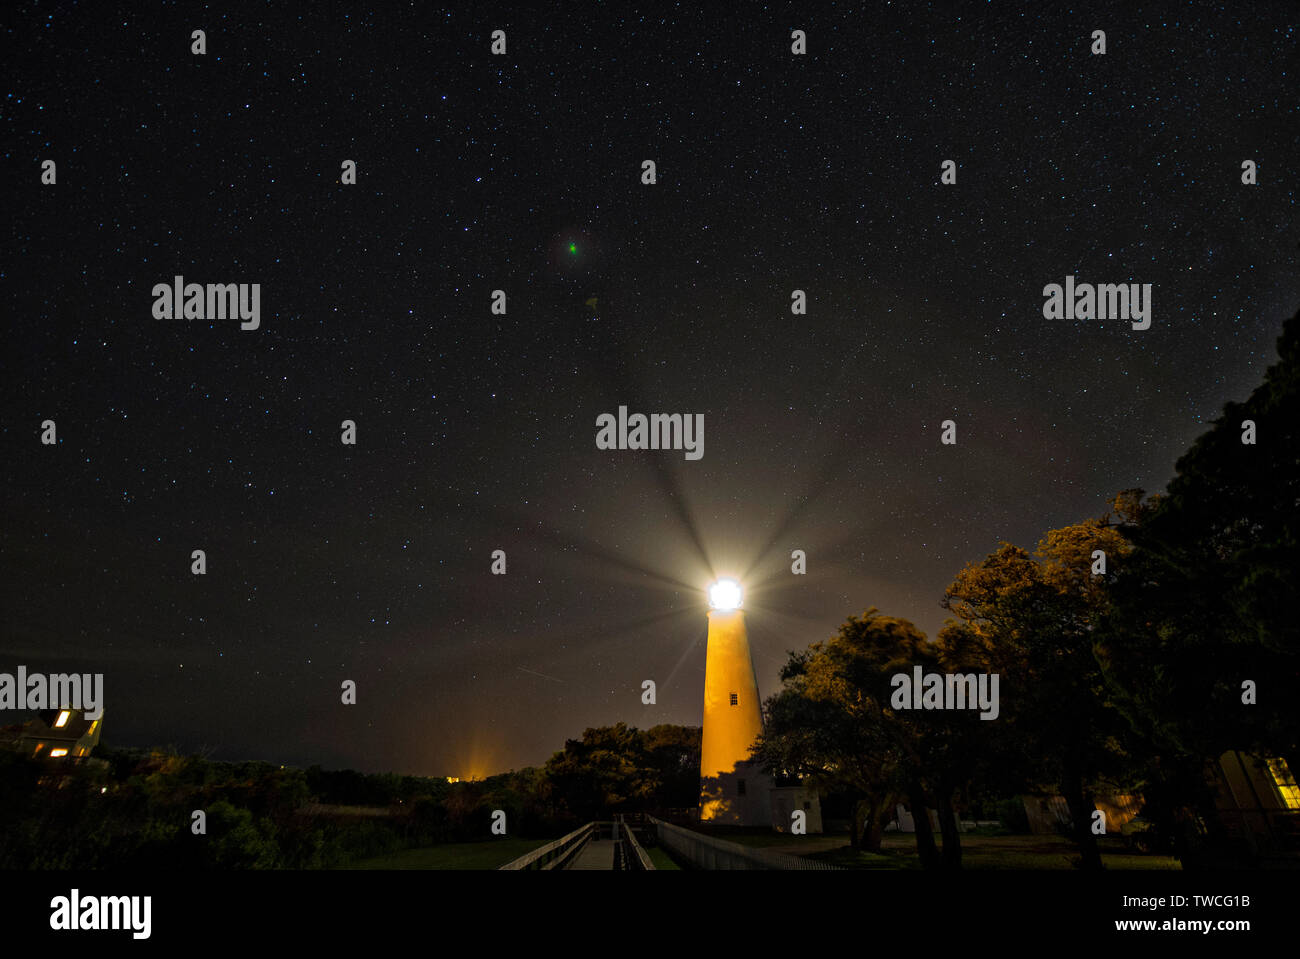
point(489, 854)
point(898, 851)
point(979, 850)
point(764, 838)
point(661, 859)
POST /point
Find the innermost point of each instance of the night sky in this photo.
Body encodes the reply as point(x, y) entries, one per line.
point(476, 431)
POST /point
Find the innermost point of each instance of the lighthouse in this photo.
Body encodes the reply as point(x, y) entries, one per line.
point(733, 790)
point(732, 721)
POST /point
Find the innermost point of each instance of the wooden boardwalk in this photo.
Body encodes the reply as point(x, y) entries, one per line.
point(601, 846)
point(597, 854)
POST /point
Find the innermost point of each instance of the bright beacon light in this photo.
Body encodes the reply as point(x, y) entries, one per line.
point(724, 594)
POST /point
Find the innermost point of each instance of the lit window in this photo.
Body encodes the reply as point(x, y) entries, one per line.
point(740, 787)
point(735, 700)
point(1287, 790)
point(56, 753)
point(62, 720)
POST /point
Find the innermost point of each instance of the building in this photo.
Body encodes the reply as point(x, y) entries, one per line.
point(733, 790)
point(1050, 815)
point(1258, 802)
point(55, 734)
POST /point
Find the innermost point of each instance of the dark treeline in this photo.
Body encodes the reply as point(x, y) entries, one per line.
point(1133, 650)
point(134, 808)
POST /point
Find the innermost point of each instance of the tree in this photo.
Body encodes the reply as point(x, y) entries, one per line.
point(1207, 601)
point(672, 753)
point(1035, 620)
point(606, 771)
point(831, 724)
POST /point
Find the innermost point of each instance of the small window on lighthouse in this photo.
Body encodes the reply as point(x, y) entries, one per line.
point(735, 701)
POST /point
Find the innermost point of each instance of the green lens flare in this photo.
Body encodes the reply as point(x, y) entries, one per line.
point(573, 248)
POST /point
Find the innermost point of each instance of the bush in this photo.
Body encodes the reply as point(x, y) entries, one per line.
point(1012, 815)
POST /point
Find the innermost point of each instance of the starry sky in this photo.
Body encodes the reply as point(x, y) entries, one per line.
point(476, 431)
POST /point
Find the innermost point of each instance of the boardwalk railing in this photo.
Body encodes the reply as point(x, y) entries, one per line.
point(707, 852)
point(634, 857)
point(555, 854)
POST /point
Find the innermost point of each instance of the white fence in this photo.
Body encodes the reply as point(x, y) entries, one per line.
point(706, 852)
point(554, 855)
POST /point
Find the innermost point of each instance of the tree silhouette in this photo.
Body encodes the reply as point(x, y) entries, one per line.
point(1206, 603)
point(1035, 620)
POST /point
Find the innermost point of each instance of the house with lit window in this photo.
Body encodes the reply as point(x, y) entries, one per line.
point(1256, 799)
point(56, 734)
point(1259, 804)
